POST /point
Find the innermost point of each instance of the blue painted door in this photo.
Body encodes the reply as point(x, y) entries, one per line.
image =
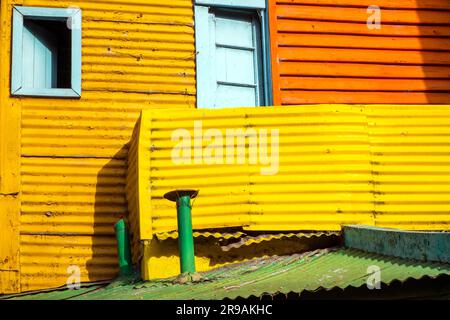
point(39, 57)
point(229, 59)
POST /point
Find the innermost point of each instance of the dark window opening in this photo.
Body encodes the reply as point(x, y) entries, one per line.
point(47, 50)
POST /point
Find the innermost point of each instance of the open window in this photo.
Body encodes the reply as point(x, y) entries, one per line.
point(232, 55)
point(46, 52)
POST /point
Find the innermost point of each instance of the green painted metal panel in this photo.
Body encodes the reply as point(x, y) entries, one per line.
point(421, 246)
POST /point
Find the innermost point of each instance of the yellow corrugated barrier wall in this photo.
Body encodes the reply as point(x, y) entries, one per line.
point(337, 164)
point(137, 54)
point(410, 154)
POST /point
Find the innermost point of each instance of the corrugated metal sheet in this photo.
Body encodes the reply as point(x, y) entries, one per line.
point(44, 259)
point(324, 170)
point(160, 176)
point(324, 52)
point(207, 234)
point(56, 293)
point(161, 258)
point(244, 238)
point(73, 204)
point(295, 273)
point(132, 195)
point(324, 163)
point(72, 196)
point(137, 190)
point(337, 165)
point(251, 240)
point(136, 55)
point(9, 167)
point(9, 244)
point(411, 168)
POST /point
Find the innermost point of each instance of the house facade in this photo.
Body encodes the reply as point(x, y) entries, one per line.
point(75, 76)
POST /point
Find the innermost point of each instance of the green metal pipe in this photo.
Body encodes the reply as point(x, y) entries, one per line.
point(123, 248)
point(185, 236)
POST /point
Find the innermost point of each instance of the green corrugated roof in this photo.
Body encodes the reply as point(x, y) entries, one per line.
point(326, 269)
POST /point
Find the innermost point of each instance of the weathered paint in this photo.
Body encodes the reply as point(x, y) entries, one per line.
point(9, 244)
point(324, 52)
point(420, 246)
point(135, 55)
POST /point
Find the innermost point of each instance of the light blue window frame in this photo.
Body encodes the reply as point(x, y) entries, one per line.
point(73, 16)
point(201, 33)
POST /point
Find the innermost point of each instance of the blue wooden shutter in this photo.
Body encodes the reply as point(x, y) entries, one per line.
point(39, 58)
point(37, 68)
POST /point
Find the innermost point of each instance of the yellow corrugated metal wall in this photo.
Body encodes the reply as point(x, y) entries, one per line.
point(410, 149)
point(9, 166)
point(226, 202)
point(137, 54)
point(338, 164)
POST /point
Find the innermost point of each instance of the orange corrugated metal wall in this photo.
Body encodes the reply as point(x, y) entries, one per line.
point(323, 52)
point(136, 54)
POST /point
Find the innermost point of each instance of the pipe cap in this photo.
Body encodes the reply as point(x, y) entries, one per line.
point(176, 194)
